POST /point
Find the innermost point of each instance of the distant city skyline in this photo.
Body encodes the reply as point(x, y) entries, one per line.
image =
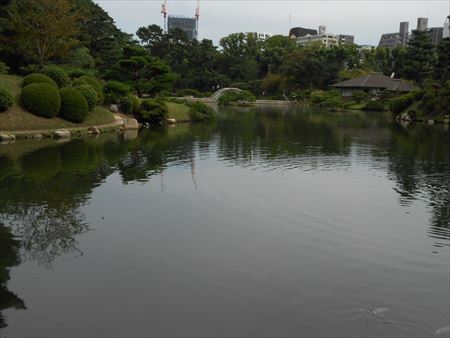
point(366, 20)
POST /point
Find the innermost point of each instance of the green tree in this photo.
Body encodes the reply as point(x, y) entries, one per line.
point(442, 67)
point(274, 51)
point(98, 33)
point(419, 58)
point(148, 74)
point(240, 56)
point(46, 29)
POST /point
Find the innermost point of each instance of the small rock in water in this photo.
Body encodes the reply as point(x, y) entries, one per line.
point(444, 331)
point(378, 311)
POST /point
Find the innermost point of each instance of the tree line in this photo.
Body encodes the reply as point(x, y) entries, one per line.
point(80, 36)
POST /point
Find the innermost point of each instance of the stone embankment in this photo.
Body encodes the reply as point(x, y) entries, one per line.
point(120, 124)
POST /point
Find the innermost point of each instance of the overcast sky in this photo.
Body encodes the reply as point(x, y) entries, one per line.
point(367, 20)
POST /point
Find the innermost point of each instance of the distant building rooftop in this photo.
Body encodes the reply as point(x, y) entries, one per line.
point(376, 81)
point(299, 32)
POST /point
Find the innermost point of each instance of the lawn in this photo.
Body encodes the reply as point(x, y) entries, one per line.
point(18, 119)
point(179, 112)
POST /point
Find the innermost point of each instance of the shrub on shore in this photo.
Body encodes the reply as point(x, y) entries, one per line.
point(399, 104)
point(126, 105)
point(152, 111)
point(74, 106)
point(331, 99)
point(90, 94)
point(37, 78)
point(92, 81)
point(114, 91)
point(58, 75)
point(6, 99)
point(242, 97)
point(374, 106)
point(41, 99)
point(200, 112)
point(136, 103)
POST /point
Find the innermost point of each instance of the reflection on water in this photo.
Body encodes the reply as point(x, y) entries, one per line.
point(46, 188)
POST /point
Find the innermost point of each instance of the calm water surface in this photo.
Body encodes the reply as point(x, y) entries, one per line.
point(273, 222)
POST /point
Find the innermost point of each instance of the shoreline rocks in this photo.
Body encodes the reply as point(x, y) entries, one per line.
point(130, 124)
point(7, 138)
point(62, 134)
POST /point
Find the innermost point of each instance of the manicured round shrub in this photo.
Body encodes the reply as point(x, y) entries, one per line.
point(126, 105)
point(90, 94)
point(6, 99)
point(77, 72)
point(37, 78)
point(152, 111)
point(114, 91)
point(41, 99)
point(58, 75)
point(374, 105)
point(74, 106)
point(398, 105)
point(92, 81)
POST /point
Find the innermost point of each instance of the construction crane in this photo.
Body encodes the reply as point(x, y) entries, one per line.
point(164, 11)
point(197, 15)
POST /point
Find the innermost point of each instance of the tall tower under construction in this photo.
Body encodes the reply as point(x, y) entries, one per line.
point(187, 24)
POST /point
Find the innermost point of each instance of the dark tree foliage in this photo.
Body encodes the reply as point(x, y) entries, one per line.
point(419, 58)
point(442, 67)
point(100, 35)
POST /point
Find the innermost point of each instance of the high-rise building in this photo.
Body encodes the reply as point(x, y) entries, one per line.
point(322, 30)
point(435, 34)
point(446, 32)
point(298, 32)
point(344, 39)
point(188, 25)
point(422, 24)
point(305, 36)
point(261, 36)
point(404, 33)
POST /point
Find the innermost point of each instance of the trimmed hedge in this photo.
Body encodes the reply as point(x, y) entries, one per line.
point(152, 111)
point(41, 99)
point(90, 94)
point(92, 81)
point(58, 75)
point(74, 106)
point(6, 99)
point(37, 78)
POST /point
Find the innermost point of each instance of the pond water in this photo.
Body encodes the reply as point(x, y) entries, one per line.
point(271, 222)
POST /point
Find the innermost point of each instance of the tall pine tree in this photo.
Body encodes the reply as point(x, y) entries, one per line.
point(419, 59)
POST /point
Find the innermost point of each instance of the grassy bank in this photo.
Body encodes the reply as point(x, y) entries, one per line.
point(18, 119)
point(179, 112)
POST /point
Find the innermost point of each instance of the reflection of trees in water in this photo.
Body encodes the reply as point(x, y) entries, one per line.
point(280, 140)
point(43, 191)
point(47, 232)
point(419, 162)
point(9, 257)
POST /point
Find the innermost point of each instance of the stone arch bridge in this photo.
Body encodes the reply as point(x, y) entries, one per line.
point(220, 92)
